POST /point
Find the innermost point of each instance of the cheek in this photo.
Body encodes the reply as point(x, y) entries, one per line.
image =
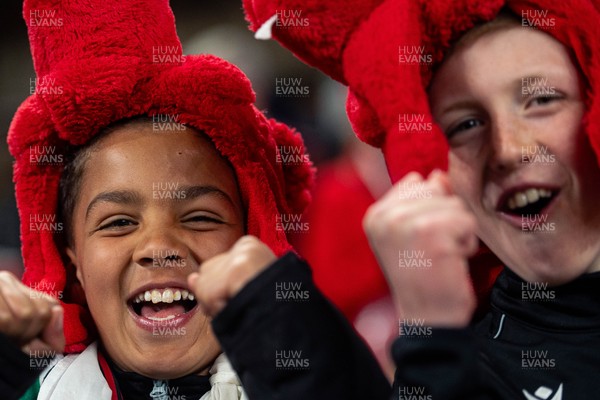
point(565, 136)
point(465, 179)
point(101, 269)
point(228, 239)
point(209, 245)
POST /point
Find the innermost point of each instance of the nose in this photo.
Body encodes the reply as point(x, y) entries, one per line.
point(159, 246)
point(509, 143)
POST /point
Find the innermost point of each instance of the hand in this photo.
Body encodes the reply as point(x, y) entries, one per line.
point(34, 320)
point(422, 235)
point(223, 276)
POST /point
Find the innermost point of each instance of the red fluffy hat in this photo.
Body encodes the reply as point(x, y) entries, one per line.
point(101, 61)
point(385, 51)
point(370, 45)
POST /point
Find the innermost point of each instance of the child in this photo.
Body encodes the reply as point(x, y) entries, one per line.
point(134, 166)
point(517, 109)
point(523, 178)
point(187, 176)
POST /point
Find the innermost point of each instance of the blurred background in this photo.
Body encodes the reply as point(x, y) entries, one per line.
point(351, 175)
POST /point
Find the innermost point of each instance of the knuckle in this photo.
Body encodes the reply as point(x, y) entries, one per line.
point(24, 313)
point(367, 221)
point(239, 260)
point(422, 226)
point(411, 176)
point(247, 240)
point(5, 319)
point(44, 310)
point(6, 277)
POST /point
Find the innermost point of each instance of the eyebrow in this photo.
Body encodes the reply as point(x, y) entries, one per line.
point(533, 80)
point(459, 105)
point(129, 197)
point(126, 197)
point(194, 191)
point(529, 81)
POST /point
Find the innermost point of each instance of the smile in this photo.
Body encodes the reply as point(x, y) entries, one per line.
point(157, 306)
point(526, 201)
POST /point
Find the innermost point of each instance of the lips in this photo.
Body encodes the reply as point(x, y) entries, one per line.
point(528, 200)
point(158, 305)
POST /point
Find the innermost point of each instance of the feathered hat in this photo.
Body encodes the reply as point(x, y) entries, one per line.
point(102, 61)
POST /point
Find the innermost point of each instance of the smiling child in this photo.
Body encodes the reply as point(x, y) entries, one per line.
point(522, 177)
point(158, 164)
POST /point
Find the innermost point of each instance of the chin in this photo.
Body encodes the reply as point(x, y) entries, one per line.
point(168, 362)
point(537, 263)
point(164, 372)
point(157, 367)
point(552, 271)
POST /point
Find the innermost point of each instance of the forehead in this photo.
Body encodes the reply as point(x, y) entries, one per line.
point(500, 57)
point(137, 157)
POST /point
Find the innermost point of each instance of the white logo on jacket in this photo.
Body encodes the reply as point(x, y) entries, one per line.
point(543, 393)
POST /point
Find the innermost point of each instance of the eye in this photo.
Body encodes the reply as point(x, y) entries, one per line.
point(202, 220)
point(463, 126)
point(544, 99)
point(117, 223)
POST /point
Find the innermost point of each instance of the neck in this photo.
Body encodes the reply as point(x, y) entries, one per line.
point(136, 386)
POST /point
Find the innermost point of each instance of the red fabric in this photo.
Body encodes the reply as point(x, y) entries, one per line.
point(359, 46)
point(110, 379)
point(102, 59)
point(344, 267)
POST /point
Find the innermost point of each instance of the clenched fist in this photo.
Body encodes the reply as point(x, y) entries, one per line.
point(223, 276)
point(422, 235)
point(34, 320)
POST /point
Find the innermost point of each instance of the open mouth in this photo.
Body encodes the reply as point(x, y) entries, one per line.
point(527, 201)
point(162, 304)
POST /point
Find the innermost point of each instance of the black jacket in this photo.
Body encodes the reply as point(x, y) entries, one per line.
point(536, 343)
point(287, 342)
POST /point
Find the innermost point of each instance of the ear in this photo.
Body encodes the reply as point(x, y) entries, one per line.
point(73, 260)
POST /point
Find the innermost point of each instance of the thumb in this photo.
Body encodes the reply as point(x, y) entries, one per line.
point(53, 334)
point(440, 180)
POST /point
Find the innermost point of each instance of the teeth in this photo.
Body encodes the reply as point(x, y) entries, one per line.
point(532, 195)
point(512, 204)
point(156, 297)
point(162, 319)
point(529, 196)
point(520, 199)
point(167, 295)
point(545, 193)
